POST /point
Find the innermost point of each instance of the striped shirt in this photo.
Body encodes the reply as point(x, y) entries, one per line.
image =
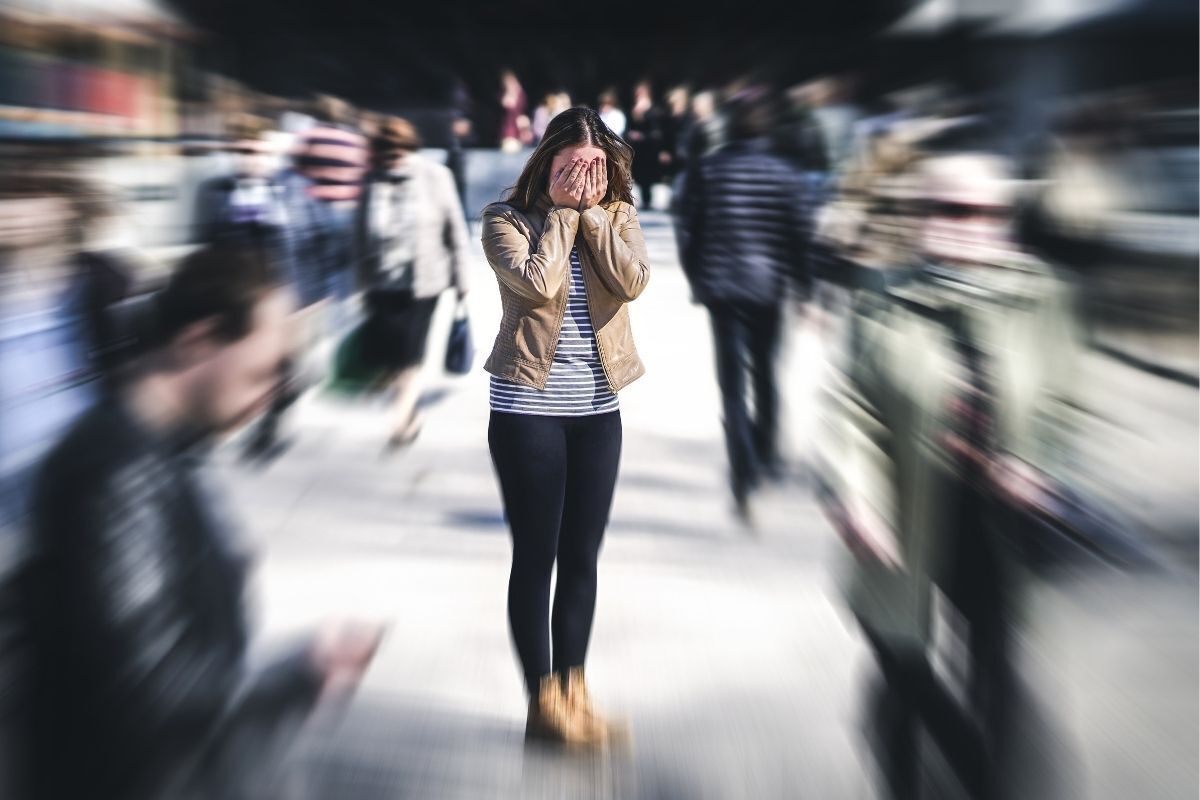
point(577, 385)
point(335, 159)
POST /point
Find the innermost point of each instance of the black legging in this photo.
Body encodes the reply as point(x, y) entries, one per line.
point(557, 476)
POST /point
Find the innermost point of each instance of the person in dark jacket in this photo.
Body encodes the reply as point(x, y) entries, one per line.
point(280, 212)
point(742, 235)
point(646, 132)
point(132, 592)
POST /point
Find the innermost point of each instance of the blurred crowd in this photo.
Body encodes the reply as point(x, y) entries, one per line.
point(957, 270)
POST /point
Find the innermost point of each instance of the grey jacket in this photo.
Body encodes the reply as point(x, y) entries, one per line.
point(440, 234)
point(880, 444)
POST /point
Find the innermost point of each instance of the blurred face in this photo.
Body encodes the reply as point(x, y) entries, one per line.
point(568, 154)
point(252, 157)
point(236, 380)
point(33, 221)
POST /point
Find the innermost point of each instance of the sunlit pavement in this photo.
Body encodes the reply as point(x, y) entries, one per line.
point(724, 648)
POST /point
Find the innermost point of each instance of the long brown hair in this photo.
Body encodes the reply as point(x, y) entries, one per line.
point(575, 127)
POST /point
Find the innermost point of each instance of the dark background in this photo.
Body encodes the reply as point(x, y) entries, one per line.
point(422, 60)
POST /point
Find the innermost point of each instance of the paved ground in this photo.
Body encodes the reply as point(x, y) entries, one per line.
point(727, 651)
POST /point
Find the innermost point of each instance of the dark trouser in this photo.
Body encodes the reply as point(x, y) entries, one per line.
point(912, 694)
point(977, 584)
point(746, 340)
point(557, 476)
point(973, 738)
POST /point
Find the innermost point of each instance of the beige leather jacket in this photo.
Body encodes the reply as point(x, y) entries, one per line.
point(530, 254)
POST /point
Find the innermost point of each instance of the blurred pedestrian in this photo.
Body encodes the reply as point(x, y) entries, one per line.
point(569, 257)
point(334, 156)
point(646, 132)
point(610, 111)
point(741, 267)
point(245, 205)
point(514, 120)
point(462, 135)
point(675, 125)
point(47, 375)
point(953, 426)
point(554, 104)
point(320, 193)
point(412, 244)
point(138, 680)
point(706, 133)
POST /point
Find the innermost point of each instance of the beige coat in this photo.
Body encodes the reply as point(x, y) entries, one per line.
point(530, 254)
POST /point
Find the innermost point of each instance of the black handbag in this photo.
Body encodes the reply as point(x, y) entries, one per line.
point(460, 350)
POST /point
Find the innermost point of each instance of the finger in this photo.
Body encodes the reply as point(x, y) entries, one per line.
point(565, 176)
point(577, 171)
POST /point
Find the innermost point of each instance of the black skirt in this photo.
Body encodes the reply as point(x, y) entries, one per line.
point(396, 329)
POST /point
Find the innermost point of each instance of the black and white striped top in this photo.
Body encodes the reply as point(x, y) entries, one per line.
point(577, 386)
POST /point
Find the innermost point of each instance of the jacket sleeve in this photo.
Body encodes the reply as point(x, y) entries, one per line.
point(537, 276)
point(691, 214)
point(456, 228)
point(800, 212)
point(620, 254)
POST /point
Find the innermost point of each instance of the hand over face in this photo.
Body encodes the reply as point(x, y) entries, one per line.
point(595, 184)
point(567, 185)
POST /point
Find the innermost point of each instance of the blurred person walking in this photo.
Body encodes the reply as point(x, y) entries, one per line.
point(610, 111)
point(462, 135)
point(675, 125)
point(334, 156)
point(317, 197)
point(569, 257)
point(949, 436)
point(514, 120)
point(551, 106)
point(132, 595)
point(646, 132)
point(741, 267)
point(412, 244)
point(247, 204)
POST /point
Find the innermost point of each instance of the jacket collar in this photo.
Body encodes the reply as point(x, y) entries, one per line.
point(542, 205)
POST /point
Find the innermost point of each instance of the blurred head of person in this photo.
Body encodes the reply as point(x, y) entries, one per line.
point(969, 199)
point(704, 105)
point(251, 147)
point(643, 94)
point(222, 335)
point(679, 99)
point(395, 140)
point(332, 110)
point(750, 114)
point(36, 209)
point(607, 100)
point(575, 133)
point(561, 102)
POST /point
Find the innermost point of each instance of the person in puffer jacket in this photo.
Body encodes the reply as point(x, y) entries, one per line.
point(743, 232)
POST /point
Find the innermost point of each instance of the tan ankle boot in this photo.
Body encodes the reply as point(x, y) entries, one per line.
point(579, 702)
point(550, 718)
